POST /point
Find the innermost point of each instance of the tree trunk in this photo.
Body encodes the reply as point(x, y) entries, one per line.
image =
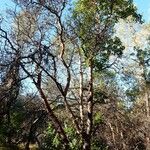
point(112, 134)
point(9, 142)
point(147, 106)
point(86, 142)
point(81, 94)
point(88, 135)
point(30, 136)
point(57, 125)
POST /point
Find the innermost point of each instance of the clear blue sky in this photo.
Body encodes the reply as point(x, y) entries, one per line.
point(142, 5)
point(5, 4)
point(144, 8)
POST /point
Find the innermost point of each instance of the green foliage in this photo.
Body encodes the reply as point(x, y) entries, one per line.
point(141, 54)
point(94, 22)
point(74, 139)
point(143, 57)
point(99, 96)
point(12, 128)
point(99, 144)
point(112, 46)
point(98, 118)
point(51, 140)
point(3, 133)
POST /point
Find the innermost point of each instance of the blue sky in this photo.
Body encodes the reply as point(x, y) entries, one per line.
point(5, 4)
point(142, 5)
point(144, 8)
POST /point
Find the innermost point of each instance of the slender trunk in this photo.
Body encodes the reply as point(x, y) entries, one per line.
point(27, 144)
point(57, 125)
point(86, 142)
point(122, 139)
point(64, 94)
point(9, 139)
point(9, 126)
point(88, 136)
point(147, 97)
point(147, 105)
point(147, 108)
point(81, 94)
point(30, 136)
point(113, 134)
point(73, 117)
point(38, 143)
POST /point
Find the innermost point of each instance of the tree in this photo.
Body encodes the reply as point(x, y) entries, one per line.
point(139, 68)
point(9, 92)
point(53, 48)
point(94, 22)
